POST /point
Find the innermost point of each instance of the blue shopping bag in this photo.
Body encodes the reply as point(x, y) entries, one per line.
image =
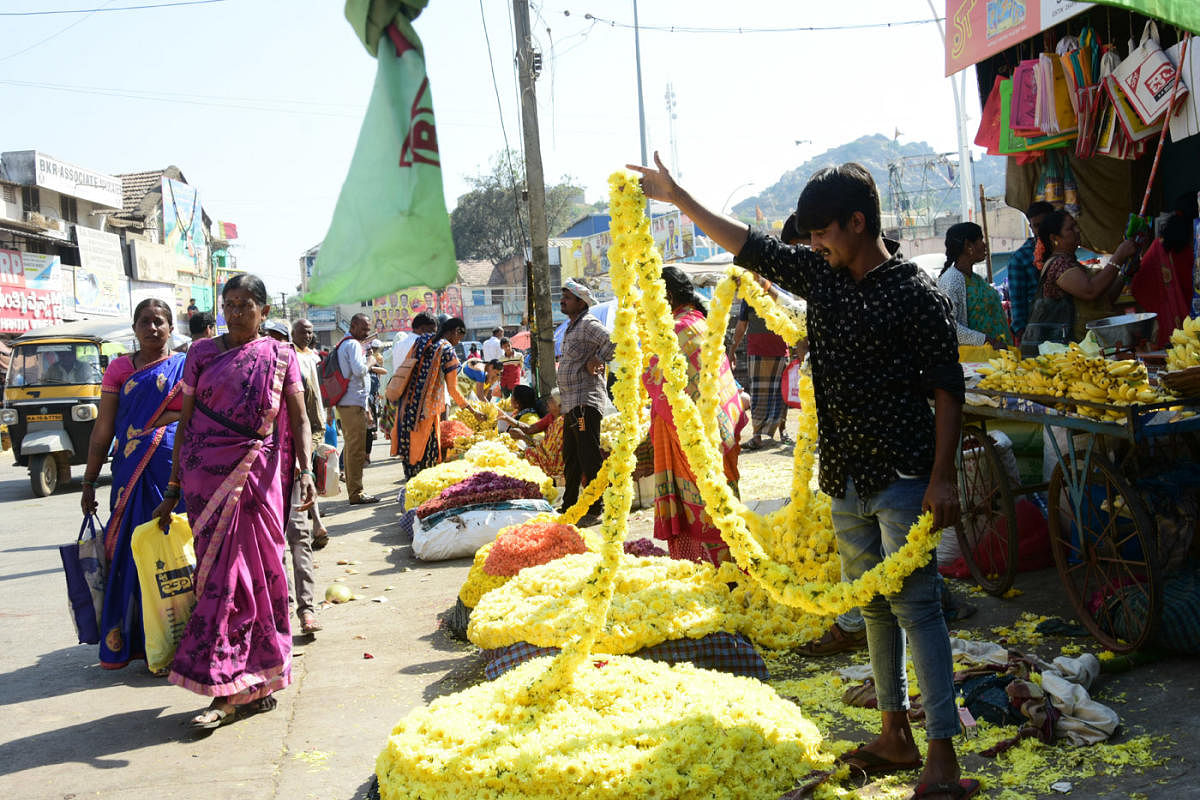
point(84, 567)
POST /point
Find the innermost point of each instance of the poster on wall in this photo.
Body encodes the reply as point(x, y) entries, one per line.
point(24, 307)
point(977, 29)
point(101, 294)
point(672, 237)
point(144, 290)
point(394, 312)
point(183, 226)
point(586, 257)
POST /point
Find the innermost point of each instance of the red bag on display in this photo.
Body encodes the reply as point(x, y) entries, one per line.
point(325, 471)
point(790, 385)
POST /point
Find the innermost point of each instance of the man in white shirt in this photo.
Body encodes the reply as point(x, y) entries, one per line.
point(491, 348)
point(352, 408)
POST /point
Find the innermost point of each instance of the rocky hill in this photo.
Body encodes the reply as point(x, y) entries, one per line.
point(919, 181)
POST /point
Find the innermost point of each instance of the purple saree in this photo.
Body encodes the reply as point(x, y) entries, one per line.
point(236, 470)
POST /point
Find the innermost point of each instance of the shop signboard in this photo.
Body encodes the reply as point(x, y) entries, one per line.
point(31, 168)
point(144, 290)
point(322, 319)
point(183, 226)
point(673, 236)
point(24, 307)
point(487, 316)
point(978, 29)
point(101, 294)
point(152, 262)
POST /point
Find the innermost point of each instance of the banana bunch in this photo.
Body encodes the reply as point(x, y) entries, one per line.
point(1073, 375)
point(1184, 351)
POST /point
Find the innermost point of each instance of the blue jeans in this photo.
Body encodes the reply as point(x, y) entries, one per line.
point(868, 529)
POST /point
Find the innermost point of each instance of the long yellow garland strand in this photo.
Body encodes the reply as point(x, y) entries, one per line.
point(633, 250)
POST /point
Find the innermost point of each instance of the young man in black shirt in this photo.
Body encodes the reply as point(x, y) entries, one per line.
point(883, 343)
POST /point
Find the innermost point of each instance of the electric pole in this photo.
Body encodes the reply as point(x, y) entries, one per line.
point(542, 337)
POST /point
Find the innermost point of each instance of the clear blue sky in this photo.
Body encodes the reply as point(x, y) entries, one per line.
point(259, 102)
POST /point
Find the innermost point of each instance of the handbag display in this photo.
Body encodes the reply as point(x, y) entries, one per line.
point(790, 384)
point(1147, 77)
point(84, 566)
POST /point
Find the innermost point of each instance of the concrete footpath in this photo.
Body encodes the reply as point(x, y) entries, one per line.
point(72, 730)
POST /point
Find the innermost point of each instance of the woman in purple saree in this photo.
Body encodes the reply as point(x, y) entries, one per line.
point(242, 432)
point(139, 405)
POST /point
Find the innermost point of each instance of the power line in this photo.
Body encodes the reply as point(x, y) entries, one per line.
point(512, 176)
point(798, 29)
point(106, 8)
point(57, 33)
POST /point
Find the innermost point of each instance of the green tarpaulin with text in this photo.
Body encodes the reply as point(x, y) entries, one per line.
point(390, 229)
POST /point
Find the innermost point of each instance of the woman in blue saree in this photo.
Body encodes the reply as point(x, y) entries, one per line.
point(139, 406)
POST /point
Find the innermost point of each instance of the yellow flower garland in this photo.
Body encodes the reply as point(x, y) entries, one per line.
point(633, 251)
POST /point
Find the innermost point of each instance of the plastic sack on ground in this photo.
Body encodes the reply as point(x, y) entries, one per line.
point(462, 531)
point(165, 562)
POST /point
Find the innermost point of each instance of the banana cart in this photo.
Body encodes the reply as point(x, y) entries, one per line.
point(1102, 497)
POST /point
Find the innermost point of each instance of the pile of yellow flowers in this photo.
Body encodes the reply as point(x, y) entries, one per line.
point(1184, 351)
point(625, 728)
point(493, 456)
point(491, 413)
point(1073, 375)
point(655, 600)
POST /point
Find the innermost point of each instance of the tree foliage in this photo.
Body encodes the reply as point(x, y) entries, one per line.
point(492, 220)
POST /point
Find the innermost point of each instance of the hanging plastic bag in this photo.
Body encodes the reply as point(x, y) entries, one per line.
point(1147, 78)
point(790, 385)
point(165, 563)
point(84, 566)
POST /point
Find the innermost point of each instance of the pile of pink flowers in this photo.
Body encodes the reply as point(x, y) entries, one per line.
point(482, 487)
point(450, 430)
point(531, 544)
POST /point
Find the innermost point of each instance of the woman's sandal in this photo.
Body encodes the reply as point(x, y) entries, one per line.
point(260, 706)
point(213, 717)
point(753, 444)
point(964, 788)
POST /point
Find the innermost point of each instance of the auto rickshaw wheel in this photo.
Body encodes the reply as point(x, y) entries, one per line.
point(43, 474)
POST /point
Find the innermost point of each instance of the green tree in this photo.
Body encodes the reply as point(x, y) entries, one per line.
point(492, 220)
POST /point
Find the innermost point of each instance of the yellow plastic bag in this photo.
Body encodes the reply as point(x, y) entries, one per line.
point(165, 563)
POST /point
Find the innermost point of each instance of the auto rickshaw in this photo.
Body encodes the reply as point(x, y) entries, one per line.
point(52, 396)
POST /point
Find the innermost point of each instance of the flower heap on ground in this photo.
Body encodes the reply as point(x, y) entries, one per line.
point(493, 456)
point(532, 547)
point(480, 430)
point(605, 727)
point(786, 583)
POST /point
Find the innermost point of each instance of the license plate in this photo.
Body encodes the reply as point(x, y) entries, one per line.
point(44, 418)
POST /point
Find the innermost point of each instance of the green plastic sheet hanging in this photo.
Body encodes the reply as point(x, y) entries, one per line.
point(390, 228)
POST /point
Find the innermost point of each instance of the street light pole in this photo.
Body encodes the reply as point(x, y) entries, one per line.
point(736, 189)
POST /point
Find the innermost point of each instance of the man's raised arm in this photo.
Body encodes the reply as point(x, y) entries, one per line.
point(659, 185)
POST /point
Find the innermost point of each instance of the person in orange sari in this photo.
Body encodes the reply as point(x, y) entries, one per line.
point(679, 515)
point(434, 372)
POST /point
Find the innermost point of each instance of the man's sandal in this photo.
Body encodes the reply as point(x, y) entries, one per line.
point(865, 765)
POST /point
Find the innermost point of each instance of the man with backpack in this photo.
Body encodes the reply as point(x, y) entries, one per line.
point(344, 382)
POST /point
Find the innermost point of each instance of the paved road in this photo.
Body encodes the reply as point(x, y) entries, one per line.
point(71, 729)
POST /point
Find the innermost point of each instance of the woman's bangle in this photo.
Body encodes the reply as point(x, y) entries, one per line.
point(173, 484)
point(307, 472)
point(171, 492)
point(88, 483)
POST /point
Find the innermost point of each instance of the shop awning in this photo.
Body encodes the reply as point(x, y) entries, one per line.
point(976, 29)
point(10, 227)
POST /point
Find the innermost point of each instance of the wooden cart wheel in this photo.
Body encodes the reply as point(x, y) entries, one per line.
point(987, 530)
point(1108, 562)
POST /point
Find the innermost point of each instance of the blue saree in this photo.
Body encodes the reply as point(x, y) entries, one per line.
point(141, 467)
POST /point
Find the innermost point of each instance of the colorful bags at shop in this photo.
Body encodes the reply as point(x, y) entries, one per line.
point(1147, 78)
point(84, 567)
point(790, 385)
point(1185, 121)
point(1054, 112)
point(165, 562)
point(988, 135)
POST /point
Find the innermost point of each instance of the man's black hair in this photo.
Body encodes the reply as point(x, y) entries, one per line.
point(1038, 208)
point(424, 319)
point(833, 194)
point(496, 364)
point(791, 233)
point(200, 322)
point(496, 331)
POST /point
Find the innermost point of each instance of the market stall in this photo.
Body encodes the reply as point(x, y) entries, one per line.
point(1125, 473)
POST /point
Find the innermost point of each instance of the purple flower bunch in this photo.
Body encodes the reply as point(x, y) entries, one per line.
point(482, 487)
point(641, 548)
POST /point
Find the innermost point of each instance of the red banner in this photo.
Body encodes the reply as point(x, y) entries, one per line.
point(21, 308)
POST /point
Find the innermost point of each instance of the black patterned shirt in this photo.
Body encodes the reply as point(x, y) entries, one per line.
point(879, 346)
